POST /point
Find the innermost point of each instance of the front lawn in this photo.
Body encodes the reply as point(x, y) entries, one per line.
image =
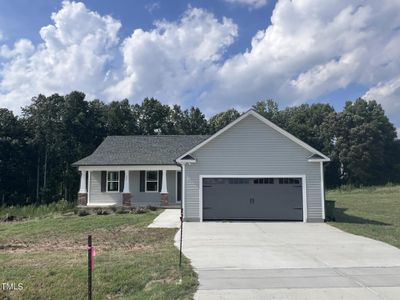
point(48, 255)
point(373, 212)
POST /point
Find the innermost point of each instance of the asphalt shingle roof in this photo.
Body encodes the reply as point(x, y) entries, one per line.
point(141, 150)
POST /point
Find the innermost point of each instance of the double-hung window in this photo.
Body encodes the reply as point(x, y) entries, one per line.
point(112, 181)
point(152, 181)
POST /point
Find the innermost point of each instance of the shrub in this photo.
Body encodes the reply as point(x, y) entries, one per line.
point(141, 210)
point(102, 211)
point(83, 212)
point(152, 208)
point(122, 210)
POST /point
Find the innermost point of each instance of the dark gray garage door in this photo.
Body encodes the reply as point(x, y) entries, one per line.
point(252, 199)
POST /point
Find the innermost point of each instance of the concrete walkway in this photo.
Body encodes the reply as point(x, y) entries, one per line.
point(169, 218)
point(260, 260)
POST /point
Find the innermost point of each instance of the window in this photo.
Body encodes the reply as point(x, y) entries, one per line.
point(151, 181)
point(263, 181)
point(113, 181)
point(238, 181)
point(289, 181)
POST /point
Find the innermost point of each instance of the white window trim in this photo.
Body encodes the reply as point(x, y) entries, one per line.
point(145, 181)
point(117, 181)
point(303, 182)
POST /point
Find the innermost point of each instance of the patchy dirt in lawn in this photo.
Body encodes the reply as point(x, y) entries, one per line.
point(49, 256)
point(152, 283)
point(129, 238)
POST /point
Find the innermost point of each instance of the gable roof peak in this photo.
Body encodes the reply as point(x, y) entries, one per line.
point(260, 117)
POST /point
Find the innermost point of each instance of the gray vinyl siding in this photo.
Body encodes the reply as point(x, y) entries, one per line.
point(96, 196)
point(138, 198)
point(251, 147)
point(143, 198)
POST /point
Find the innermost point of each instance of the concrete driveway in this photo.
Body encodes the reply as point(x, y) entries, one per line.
point(269, 260)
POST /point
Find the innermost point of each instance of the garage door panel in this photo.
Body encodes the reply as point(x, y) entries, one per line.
point(252, 198)
point(278, 201)
point(237, 205)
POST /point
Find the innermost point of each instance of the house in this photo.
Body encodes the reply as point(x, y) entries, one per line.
point(250, 169)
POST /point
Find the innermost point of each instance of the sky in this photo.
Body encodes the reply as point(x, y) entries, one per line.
point(214, 54)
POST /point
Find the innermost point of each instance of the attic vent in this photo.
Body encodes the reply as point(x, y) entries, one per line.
point(315, 156)
point(188, 157)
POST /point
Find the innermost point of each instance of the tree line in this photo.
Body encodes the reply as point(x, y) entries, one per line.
point(38, 147)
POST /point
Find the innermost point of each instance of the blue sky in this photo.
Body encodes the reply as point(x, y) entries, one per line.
point(213, 54)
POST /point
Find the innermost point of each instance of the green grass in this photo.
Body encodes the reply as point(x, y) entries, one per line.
point(373, 212)
point(132, 262)
point(33, 210)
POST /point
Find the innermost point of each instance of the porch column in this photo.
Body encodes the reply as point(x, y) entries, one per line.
point(164, 190)
point(82, 194)
point(126, 194)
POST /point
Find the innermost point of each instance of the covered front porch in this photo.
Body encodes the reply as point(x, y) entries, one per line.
point(154, 185)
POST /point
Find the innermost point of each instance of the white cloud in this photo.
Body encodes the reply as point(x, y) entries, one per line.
point(81, 50)
point(22, 47)
point(250, 3)
point(174, 61)
point(152, 6)
point(331, 75)
point(388, 94)
point(75, 54)
point(308, 51)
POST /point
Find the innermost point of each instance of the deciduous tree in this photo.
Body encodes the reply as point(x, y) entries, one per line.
point(222, 119)
point(364, 140)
